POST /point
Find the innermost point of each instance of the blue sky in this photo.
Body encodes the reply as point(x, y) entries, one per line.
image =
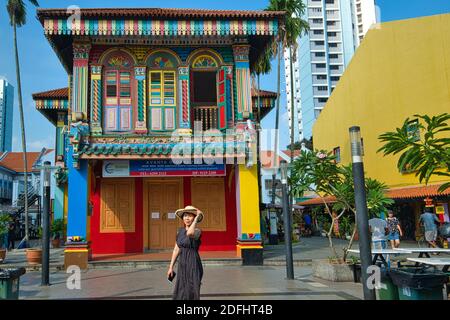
point(41, 69)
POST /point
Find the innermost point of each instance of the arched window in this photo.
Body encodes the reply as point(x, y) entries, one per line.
point(208, 96)
point(118, 91)
point(162, 90)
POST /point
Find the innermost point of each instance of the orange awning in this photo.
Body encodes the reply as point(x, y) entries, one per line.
point(410, 192)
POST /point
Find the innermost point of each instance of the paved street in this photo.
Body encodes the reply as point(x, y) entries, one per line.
point(219, 282)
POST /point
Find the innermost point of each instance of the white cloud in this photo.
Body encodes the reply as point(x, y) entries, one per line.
point(33, 145)
point(37, 145)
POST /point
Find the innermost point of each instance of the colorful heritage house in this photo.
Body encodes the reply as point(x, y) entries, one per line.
point(158, 115)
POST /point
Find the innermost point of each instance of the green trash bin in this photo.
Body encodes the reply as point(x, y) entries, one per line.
point(419, 284)
point(388, 290)
point(9, 283)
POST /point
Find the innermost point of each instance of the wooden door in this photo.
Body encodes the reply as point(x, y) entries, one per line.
point(163, 199)
point(208, 194)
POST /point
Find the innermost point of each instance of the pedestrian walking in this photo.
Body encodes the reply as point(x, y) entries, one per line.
point(378, 229)
point(11, 235)
point(190, 269)
point(429, 222)
point(308, 224)
point(395, 231)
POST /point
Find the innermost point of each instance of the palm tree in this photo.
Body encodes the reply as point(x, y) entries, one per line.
point(289, 31)
point(17, 16)
point(263, 66)
point(427, 154)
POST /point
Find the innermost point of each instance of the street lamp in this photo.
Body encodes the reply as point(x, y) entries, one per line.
point(361, 209)
point(287, 221)
point(46, 226)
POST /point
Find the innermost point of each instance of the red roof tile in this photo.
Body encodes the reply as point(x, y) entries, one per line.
point(62, 93)
point(160, 13)
point(267, 159)
point(416, 192)
point(296, 153)
point(14, 160)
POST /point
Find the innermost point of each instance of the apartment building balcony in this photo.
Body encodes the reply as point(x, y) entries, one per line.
point(319, 68)
point(334, 37)
point(333, 15)
point(315, 12)
point(320, 91)
point(332, 6)
point(317, 47)
point(315, 25)
point(335, 49)
point(319, 103)
point(314, 36)
point(336, 70)
point(317, 81)
point(337, 59)
point(334, 26)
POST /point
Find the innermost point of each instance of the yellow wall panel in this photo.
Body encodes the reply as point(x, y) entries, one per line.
point(401, 68)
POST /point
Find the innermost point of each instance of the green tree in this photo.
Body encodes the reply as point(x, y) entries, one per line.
point(318, 172)
point(17, 16)
point(425, 154)
point(290, 29)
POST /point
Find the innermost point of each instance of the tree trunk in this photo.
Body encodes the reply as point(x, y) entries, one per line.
point(277, 116)
point(291, 202)
point(22, 124)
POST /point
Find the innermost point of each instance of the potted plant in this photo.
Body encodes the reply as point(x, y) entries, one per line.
point(57, 229)
point(34, 255)
point(4, 223)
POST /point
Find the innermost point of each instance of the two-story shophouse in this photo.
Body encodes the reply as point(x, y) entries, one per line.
point(158, 115)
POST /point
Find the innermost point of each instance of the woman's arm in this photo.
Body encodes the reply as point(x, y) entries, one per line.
point(191, 231)
point(176, 252)
point(400, 230)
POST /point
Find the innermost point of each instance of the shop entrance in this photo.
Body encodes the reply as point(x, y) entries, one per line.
point(162, 198)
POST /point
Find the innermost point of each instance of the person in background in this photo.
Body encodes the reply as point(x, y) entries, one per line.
point(429, 222)
point(11, 235)
point(378, 229)
point(395, 231)
point(308, 224)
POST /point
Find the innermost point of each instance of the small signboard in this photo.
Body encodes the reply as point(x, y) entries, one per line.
point(116, 168)
point(164, 167)
point(155, 215)
point(167, 168)
point(171, 215)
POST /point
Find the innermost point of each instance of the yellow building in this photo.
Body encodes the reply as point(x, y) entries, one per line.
point(402, 68)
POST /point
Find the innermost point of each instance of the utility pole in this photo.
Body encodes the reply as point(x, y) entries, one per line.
point(361, 209)
point(287, 222)
point(46, 226)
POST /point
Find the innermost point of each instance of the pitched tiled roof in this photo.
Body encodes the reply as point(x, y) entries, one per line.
point(416, 192)
point(296, 153)
point(263, 94)
point(62, 94)
point(14, 161)
point(412, 192)
point(160, 13)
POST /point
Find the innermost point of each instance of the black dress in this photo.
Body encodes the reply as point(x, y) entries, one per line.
point(190, 269)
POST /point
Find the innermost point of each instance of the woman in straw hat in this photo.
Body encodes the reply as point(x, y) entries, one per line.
point(190, 269)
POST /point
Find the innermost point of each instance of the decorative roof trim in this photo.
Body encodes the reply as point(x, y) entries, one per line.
point(122, 27)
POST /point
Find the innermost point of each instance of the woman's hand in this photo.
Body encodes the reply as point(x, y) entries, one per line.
point(169, 272)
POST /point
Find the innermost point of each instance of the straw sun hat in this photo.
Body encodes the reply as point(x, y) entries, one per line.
point(189, 209)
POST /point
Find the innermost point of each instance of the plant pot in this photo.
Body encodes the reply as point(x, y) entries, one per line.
point(34, 256)
point(2, 255)
point(336, 272)
point(56, 243)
